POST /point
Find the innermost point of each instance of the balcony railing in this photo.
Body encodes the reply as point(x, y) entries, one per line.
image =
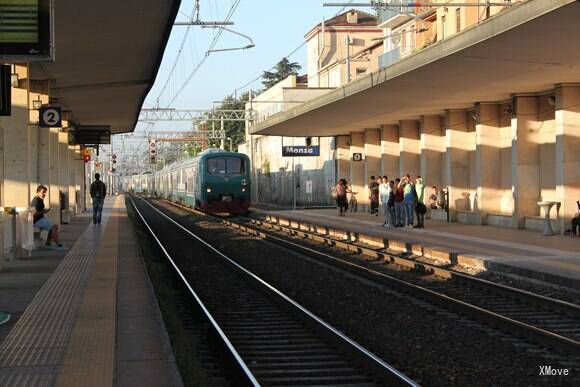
point(384, 14)
point(390, 57)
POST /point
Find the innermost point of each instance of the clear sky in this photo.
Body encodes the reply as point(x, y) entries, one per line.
point(276, 27)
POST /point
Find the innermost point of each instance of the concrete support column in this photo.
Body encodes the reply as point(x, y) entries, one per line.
point(432, 150)
point(410, 148)
point(372, 155)
point(390, 151)
point(567, 150)
point(357, 179)
point(525, 159)
point(79, 180)
point(72, 199)
point(16, 162)
point(487, 160)
point(53, 175)
point(342, 158)
point(456, 162)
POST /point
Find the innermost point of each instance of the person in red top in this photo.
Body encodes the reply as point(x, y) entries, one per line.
point(399, 207)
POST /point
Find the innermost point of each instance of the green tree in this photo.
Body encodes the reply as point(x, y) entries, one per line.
point(283, 69)
point(236, 130)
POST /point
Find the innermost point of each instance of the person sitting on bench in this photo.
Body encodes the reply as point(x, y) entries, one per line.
point(43, 222)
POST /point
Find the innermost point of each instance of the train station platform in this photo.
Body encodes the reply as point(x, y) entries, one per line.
point(86, 316)
point(554, 259)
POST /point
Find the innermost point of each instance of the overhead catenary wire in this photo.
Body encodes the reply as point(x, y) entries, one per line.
point(211, 47)
point(235, 92)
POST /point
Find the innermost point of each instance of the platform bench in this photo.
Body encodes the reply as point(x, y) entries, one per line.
point(40, 237)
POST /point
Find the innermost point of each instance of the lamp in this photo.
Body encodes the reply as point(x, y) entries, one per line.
point(37, 103)
point(552, 100)
point(14, 80)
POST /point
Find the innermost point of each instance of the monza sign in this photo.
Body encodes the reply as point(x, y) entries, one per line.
point(293, 150)
point(50, 117)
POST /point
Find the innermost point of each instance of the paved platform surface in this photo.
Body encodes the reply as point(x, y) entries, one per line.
point(555, 258)
point(87, 316)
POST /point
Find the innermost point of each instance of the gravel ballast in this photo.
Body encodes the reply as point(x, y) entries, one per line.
point(432, 346)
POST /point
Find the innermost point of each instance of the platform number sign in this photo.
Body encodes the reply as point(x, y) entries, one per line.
point(50, 117)
point(357, 157)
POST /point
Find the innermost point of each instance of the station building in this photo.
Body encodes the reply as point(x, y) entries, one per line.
point(487, 105)
point(339, 50)
point(96, 79)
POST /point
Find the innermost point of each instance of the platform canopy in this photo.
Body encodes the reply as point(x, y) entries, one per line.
point(107, 55)
point(528, 48)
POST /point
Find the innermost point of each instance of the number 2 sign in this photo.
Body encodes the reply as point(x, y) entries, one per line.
point(50, 117)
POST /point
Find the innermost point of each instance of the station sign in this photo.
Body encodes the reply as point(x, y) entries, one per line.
point(299, 150)
point(26, 30)
point(90, 135)
point(5, 91)
point(49, 117)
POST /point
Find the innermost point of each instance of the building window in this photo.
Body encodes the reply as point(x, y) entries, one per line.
point(457, 19)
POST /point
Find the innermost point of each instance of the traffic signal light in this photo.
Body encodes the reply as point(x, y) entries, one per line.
point(152, 147)
point(153, 159)
point(86, 155)
point(114, 159)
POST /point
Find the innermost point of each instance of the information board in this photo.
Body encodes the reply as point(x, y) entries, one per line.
point(90, 135)
point(5, 91)
point(26, 30)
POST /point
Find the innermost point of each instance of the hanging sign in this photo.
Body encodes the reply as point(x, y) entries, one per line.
point(298, 150)
point(50, 117)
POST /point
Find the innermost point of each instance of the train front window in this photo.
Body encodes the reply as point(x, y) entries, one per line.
point(225, 166)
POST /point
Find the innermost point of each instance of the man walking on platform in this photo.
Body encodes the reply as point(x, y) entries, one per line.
point(98, 193)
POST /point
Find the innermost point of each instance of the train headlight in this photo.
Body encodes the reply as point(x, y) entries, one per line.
point(243, 189)
point(208, 189)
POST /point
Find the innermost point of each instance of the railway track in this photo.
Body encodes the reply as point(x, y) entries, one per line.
point(549, 322)
point(270, 339)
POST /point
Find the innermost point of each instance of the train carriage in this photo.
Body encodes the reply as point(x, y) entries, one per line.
point(216, 181)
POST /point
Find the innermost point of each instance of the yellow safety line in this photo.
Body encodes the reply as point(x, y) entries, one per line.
point(90, 356)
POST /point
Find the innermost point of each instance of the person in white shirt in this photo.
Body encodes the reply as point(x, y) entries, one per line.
point(384, 193)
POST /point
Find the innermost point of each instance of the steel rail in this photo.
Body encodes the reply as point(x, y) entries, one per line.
point(246, 373)
point(375, 363)
point(514, 326)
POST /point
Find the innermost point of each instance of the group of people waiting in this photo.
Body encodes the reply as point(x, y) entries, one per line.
point(402, 200)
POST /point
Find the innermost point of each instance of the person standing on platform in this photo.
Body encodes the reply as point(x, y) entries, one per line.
point(41, 221)
point(374, 196)
point(98, 193)
point(340, 191)
point(399, 203)
point(409, 199)
point(420, 207)
point(384, 194)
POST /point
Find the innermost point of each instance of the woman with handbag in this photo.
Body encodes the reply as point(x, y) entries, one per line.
point(420, 207)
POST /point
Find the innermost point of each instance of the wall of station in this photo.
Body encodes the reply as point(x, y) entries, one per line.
point(30, 155)
point(498, 160)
